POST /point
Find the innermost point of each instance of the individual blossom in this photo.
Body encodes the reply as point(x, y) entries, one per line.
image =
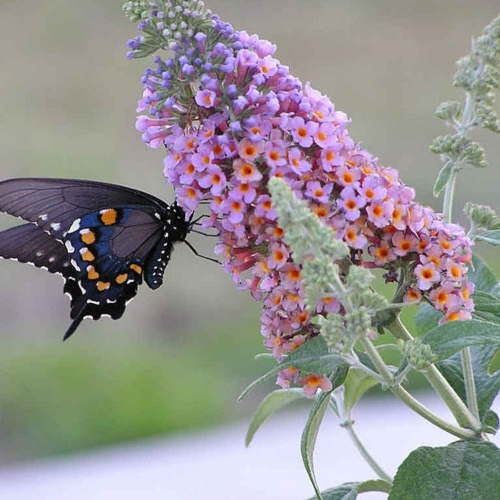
point(231, 117)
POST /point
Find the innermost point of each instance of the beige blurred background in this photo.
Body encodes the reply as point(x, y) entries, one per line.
point(181, 355)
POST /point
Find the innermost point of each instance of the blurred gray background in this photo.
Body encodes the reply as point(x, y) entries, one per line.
point(181, 355)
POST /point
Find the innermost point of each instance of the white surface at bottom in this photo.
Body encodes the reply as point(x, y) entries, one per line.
point(216, 465)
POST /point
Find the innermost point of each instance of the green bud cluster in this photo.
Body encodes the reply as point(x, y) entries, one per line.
point(482, 217)
point(316, 249)
point(418, 355)
point(164, 23)
point(479, 75)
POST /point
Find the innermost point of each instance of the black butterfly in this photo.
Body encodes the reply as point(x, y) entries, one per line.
point(102, 238)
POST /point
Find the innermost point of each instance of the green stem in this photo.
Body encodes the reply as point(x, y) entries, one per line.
point(348, 425)
point(462, 414)
point(448, 194)
point(409, 400)
point(469, 382)
point(470, 387)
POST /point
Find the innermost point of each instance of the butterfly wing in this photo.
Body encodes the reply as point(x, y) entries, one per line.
point(30, 244)
point(54, 204)
point(101, 237)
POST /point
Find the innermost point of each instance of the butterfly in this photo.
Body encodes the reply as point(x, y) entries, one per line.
point(103, 239)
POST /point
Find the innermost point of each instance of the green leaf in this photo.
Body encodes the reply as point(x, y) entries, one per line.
point(491, 420)
point(339, 375)
point(348, 491)
point(364, 359)
point(492, 237)
point(269, 405)
point(313, 357)
point(426, 318)
point(342, 492)
point(443, 178)
point(309, 436)
point(374, 485)
point(487, 385)
point(355, 385)
point(464, 470)
point(263, 378)
point(486, 307)
point(482, 276)
point(310, 357)
point(449, 338)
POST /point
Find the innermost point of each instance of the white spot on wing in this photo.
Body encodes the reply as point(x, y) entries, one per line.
point(74, 226)
point(76, 266)
point(56, 226)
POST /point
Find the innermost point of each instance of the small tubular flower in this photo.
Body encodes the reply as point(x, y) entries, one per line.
point(232, 117)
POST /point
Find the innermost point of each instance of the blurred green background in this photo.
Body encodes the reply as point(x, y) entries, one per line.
point(180, 356)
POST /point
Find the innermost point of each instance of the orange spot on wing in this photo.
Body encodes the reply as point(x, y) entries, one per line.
point(109, 216)
point(92, 274)
point(87, 255)
point(121, 278)
point(103, 285)
point(87, 236)
point(136, 268)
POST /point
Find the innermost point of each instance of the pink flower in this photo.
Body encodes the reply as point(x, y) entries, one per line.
point(318, 192)
point(205, 98)
point(427, 275)
point(250, 120)
point(312, 383)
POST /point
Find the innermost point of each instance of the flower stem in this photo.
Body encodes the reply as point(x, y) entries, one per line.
point(413, 403)
point(468, 372)
point(470, 385)
point(462, 414)
point(348, 423)
point(448, 194)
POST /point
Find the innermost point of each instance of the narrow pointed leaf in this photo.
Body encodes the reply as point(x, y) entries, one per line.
point(482, 276)
point(355, 385)
point(309, 436)
point(442, 178)
point(311, 357)
point(269, 405)
point(491, 237)
point(449, 338)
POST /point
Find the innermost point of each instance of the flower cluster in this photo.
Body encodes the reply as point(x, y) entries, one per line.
point(231, 117)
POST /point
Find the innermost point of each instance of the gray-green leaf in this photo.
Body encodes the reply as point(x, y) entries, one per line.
point(460, 471)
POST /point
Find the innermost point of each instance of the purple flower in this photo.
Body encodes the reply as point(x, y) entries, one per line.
point(231, 116)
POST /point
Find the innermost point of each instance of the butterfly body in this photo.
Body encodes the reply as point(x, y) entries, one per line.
point(102, 238)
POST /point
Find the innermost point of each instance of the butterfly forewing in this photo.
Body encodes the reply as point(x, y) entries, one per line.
point(54, 204)
point(102, 238)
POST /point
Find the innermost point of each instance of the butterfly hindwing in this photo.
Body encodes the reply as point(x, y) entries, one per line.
point(101, 237)
point(29, 243)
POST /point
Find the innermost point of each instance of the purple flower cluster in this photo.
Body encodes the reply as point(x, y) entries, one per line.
point(231, 116)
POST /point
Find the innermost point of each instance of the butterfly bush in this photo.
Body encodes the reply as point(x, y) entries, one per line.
point(231, 117)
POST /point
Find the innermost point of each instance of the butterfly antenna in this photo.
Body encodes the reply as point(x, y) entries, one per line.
point(197, 220)
point(204, 234)
point(199, 254)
